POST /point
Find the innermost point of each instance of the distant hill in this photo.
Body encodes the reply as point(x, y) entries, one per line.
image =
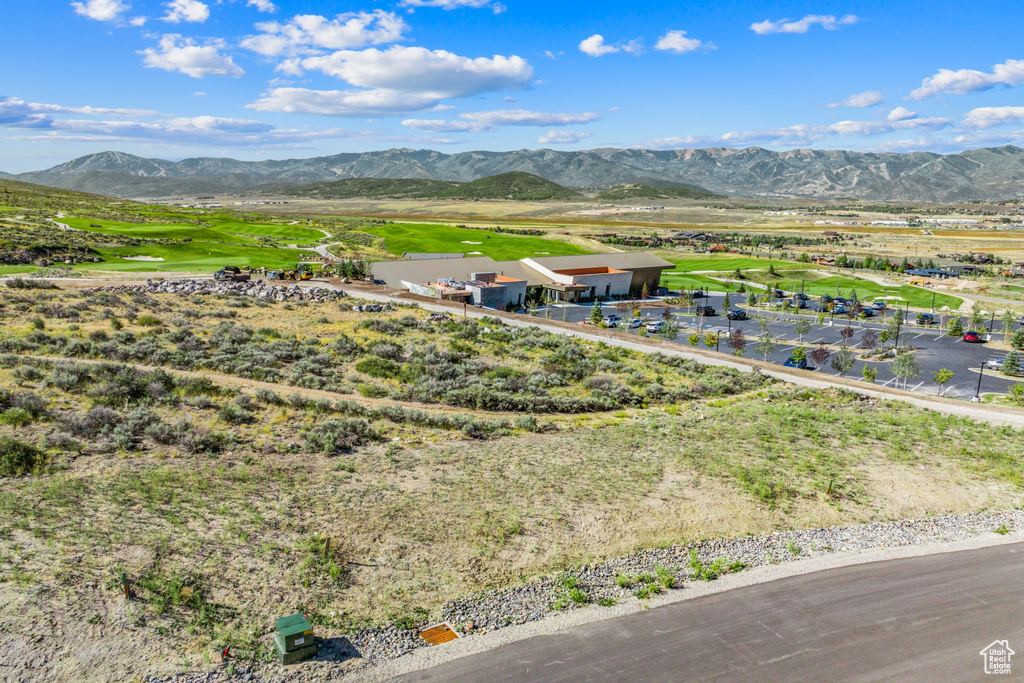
point(22, 194)
point(372, 188)
point(515, 185)
point(620, 192)
point(982, 174)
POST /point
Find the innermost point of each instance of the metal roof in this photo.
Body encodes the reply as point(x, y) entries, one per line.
point(392, 273)
point(620, 261)
point(427, 255)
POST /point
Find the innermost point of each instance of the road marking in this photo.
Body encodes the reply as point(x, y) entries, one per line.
point(818, 341)
point(923, 334)
point(889, 382)
point(917, 387)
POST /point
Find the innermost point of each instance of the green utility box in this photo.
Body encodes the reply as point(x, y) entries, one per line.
point(294, 639)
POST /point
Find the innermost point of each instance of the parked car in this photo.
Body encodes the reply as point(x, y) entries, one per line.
point(699, 294)
point(878, 305)
point(973, 337)
point(825, 299)
point(993, 364)
point(797, 303)
point(736, 314)
point(779, 294)
point(800, 364)
point(925, 319)
point(655, 326)
point(611, 320)
point(635, 323)
point(706, 310)
point(838, 308)
point(801, 296)
point(867, 312)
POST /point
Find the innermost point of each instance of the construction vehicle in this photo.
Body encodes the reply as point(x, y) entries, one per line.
point(303, 271)
point(231, 274)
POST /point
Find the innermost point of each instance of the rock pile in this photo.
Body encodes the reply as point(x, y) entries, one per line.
point(259, 289)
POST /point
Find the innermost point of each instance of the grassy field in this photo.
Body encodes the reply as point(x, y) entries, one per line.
point(221, 240)
point(410, 237)
point(727, 263)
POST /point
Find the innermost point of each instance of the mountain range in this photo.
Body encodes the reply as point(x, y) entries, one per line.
point(980, 174)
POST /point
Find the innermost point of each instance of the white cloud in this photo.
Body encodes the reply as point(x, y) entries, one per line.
point(262, 6)
point(191, 11)
point(184, 56)
point(101, 10)
point(441, 126)
point(553, 55)
point(311, 34)
point(948, 82)
point(901, 114)
point(437, 74)
point(869, 98)
point(562, 137)
point(495, 7)
point(356, 103)
point(17, 114)
point(595, 46)
point(676, 41)
point(989, 117)
point(138, 21)
point(826, 21)
point(487, 120)
point(198, 93)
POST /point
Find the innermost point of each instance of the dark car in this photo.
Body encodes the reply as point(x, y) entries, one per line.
point(799, 364)
point(838, 308)
point(825, 298)
point(801, 296)
point(706, 310)
point(779, 294)
point(973, 337)
point(925, 319)
point(867, 312)
point(736, 314)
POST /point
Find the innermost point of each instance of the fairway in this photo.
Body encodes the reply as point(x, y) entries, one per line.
point(227, 240)
point(406, 237)
point(726, 264)
point(677, 280)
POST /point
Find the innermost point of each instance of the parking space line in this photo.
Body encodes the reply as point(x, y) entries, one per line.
point(889, 382)
point(818, 341)
point(917, 387)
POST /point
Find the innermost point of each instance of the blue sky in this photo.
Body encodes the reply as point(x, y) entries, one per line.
point(264, 79)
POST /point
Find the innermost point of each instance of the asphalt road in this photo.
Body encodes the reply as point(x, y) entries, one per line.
point(934, 350)
point(916, 619)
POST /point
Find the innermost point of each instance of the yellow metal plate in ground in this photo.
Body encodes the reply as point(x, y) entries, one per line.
point(435, 635)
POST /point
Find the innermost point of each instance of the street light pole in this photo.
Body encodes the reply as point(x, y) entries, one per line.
point(977, 392)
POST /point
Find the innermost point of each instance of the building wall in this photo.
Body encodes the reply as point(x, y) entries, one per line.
point(649, 276)
point(604, 284)
point(422, 290)
point(515, 292)
point(492, 297)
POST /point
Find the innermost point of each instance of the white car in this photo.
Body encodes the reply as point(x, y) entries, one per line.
point(655, 326)
point(611, 320)
point(635, 324)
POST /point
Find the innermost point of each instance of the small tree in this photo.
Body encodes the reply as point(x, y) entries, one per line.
point(737, 342)
point(956, 327)
point(802, 328)
point(669, 329)
point(726, 303)
point(906, 366)
point(869, 373)
point(1017, 394)
point(846, 333)
point(820, 355)
point(977, 316)
point(799, 355)
point(869, 340)
point(1017, 341)
point(738, 275)
point(1009, 322)
point(645, 292)
point(596, 314)
point(894, 325)
point(1011, 364)
point(694, 339)
point(942, 378)
point(752, 299)
point(766, 344)
point(842, 361)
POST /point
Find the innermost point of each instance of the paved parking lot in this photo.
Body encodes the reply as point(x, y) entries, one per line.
point(934, 350)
